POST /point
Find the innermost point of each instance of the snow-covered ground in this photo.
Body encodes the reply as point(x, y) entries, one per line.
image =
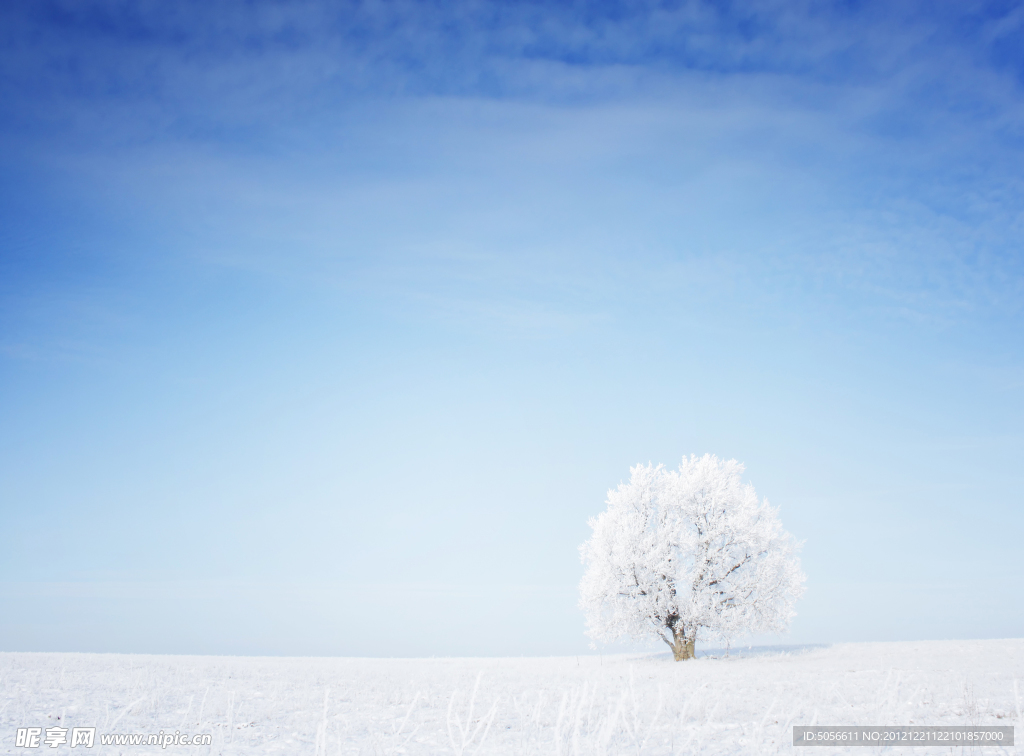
point(747, 703)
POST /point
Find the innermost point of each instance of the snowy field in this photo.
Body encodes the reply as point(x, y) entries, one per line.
point(746, 703)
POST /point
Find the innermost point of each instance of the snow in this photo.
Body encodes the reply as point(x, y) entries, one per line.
point(623, 704)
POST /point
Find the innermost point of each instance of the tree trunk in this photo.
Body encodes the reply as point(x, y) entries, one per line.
point(682, 647)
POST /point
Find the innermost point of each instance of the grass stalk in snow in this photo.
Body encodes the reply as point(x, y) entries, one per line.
point(465, 738)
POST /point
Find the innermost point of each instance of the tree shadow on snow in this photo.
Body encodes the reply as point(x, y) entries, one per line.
point(743, 652)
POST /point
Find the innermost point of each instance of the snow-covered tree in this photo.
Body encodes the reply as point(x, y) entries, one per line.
point(684, 551)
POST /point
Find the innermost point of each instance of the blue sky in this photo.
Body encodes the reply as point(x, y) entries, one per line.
point(325, 327)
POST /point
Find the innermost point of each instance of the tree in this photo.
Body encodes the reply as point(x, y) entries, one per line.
point(684, 551)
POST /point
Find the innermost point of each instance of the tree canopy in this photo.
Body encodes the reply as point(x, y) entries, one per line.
point(688, 551)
